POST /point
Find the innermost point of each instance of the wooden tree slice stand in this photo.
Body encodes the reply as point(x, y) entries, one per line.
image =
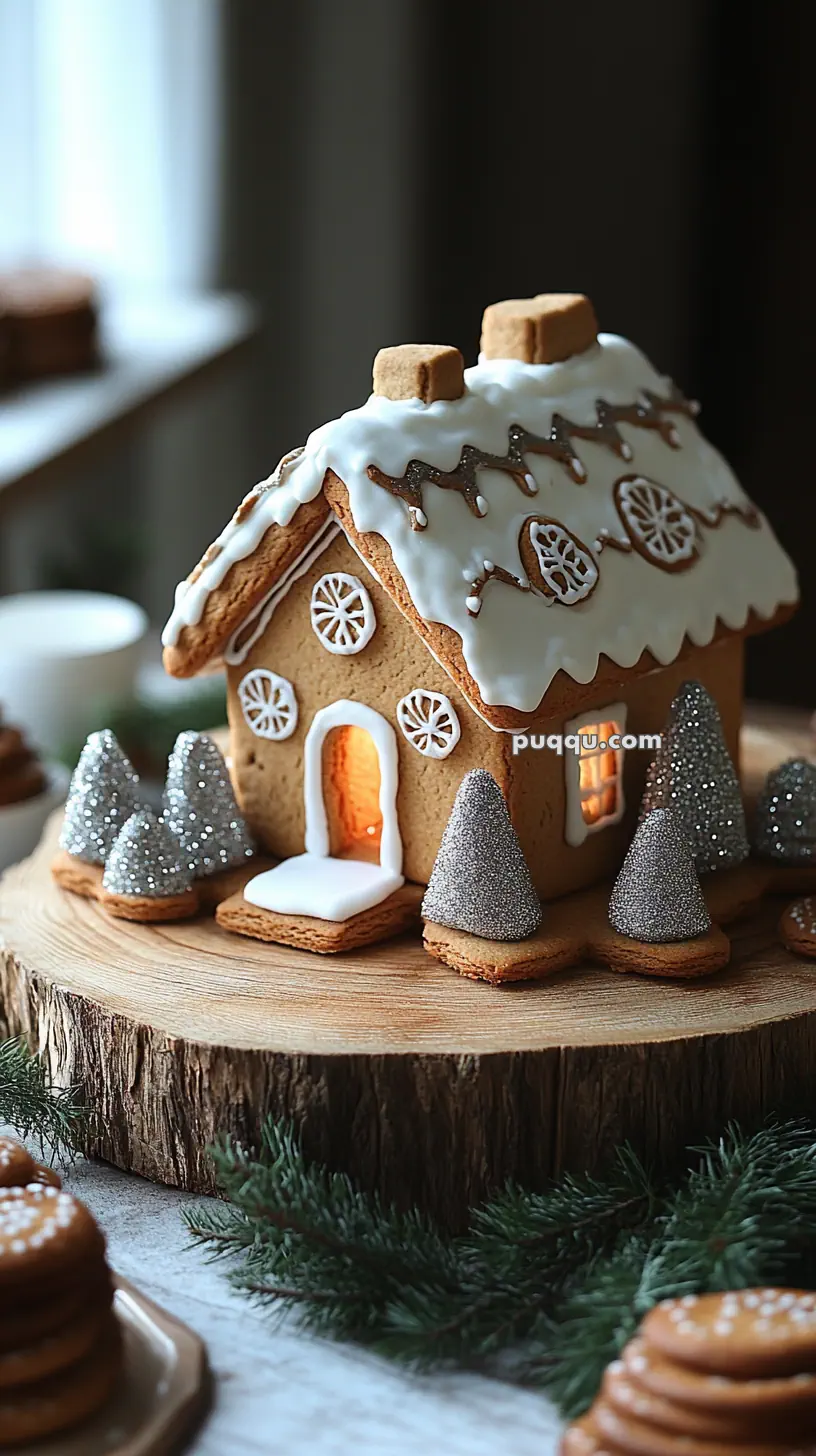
point(426, 1087)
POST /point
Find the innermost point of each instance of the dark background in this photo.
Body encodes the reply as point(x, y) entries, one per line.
point(658, 156)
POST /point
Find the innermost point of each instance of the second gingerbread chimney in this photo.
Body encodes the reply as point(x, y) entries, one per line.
point(543, 330)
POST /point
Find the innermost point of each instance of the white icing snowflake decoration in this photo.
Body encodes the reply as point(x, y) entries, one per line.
point(658, 524)
point(430, 722)
point(269, 704)
point(342, 613)
point(567, 570)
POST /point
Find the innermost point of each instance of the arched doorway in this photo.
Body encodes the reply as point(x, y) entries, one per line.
point(350, 780)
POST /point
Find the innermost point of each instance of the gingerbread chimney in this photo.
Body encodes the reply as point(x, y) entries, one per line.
point(419, 371)
point(540, 330)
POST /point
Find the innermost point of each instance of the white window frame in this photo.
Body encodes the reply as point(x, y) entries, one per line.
point(576, 828)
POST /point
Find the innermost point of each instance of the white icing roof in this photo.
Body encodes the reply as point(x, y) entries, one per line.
point(518, 641)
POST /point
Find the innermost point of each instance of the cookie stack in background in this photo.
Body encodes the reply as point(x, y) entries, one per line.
point(710, 1375)
point(60, 1345)
point(22, 776)
point(48, 324)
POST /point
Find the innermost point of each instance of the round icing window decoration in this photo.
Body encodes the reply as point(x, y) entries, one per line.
point(342, 613)
point(658, 524)
point(268, 704)
point(430, 722)
point(557, 562)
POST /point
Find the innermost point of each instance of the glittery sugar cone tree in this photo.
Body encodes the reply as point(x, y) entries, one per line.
point(146, 876)
point(104, 793)
point(785, 825)
point(693, 775)
point(201, 810)
point(481, 882)
point(657, 896)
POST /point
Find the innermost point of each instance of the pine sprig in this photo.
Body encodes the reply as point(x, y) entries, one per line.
point(544, 1288)
point(33, 1106)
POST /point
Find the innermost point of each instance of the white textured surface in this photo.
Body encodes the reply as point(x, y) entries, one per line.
point(282, 1392)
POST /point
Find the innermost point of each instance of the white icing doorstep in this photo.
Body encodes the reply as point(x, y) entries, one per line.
point(517, 643)
point(323, 887)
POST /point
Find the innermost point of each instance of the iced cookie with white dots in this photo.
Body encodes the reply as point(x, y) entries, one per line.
point(750, 1333)
point(65, 1399)
point(44, 1233)
point(651, 1371)
point(625, 1433)
point(17, 1167)
point(736, 1426)
point(583, 1438)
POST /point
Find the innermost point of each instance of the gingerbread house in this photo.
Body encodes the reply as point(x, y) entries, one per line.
point(471, 567)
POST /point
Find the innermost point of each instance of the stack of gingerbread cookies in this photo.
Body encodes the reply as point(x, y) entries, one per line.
point(710, 1375)
point(22, 776)
point(60, 1347)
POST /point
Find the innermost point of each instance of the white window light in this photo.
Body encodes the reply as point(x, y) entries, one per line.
point(594, 775)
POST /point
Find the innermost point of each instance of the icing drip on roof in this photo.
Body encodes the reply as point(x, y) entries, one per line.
point(514, 645)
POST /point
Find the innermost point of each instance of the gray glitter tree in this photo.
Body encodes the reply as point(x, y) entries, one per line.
point(481, 882)
point(785, 825)
point(657, 895)
point(692, 773)
point(104, 792)
point(201, 809)
point(146, 860)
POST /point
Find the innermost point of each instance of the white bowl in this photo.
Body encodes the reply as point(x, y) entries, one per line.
point(60, 654)
point(21, 825)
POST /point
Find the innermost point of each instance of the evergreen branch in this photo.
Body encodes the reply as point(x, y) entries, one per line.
point(545, 1287)
point(33, 1106)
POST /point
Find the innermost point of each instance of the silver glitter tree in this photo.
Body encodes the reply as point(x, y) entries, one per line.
point(200, 807)
point(657, 895)
point(104, 792)
point(146, 860)
point(480, 881)
point(785, 826)
point(692, 773)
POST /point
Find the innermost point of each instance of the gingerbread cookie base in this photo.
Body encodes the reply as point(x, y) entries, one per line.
point(576, 929)
point(84, 879)
point(394, 916)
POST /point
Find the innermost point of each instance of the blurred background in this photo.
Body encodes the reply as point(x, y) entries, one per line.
point(264, 193)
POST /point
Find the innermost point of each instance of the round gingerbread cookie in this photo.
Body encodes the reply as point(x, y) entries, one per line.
point(583, 1438)
point(44, 1232)
point(758, 1399)
point(42, 1174)
point(27, 1319)
point(17, 1166)
point(736, 1426)
point(63, 1400)
point(638, 1438)
point(797, 928)
point(53, 1352)
point(750, 1333)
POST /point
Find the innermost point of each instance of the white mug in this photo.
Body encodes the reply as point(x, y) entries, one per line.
point(61, 653)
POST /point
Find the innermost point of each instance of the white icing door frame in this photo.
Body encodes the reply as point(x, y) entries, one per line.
point(338, 715)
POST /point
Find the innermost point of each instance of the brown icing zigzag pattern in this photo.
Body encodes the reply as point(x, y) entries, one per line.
point(647, 414)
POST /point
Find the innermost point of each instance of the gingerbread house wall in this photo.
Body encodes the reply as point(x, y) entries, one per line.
point(269, 775)
point(538, 795)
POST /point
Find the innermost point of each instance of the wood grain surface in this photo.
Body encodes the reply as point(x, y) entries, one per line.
point(425, 1086)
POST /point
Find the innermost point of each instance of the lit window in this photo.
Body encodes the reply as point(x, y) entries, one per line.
point(594, 776)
